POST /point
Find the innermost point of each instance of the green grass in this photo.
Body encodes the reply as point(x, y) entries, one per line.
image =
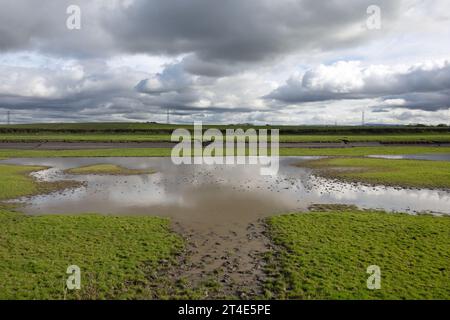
point(325, 255)
point(284, 129)
point(136, 152)
point(399, 138)
point(16, 182)
point(405, 173)
point(108, 169)
point(139, 132)
point(84, 137)
point(119, 257)
point(152, 137)
point(361, 151)
point(166, 152)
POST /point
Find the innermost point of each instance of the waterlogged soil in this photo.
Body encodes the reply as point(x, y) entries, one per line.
point(218, 208)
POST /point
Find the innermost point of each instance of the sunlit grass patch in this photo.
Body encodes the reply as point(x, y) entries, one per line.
point(107, 169)
point(119, 257)
point(325, 255)
point(166, 152)
point(16, 182)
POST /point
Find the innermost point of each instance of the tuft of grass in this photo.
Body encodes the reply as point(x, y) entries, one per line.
point(325, 255)
point(405, 173)
point(107, 169)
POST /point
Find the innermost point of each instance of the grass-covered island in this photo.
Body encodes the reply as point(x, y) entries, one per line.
point(325, 255)
point(107, 169)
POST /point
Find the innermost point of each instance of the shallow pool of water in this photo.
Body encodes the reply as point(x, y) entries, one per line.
point(206, 195)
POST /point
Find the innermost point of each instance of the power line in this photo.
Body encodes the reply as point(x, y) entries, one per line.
point(9, 117)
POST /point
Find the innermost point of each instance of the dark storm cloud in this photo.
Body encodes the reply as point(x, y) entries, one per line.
point(240, 30)
point(418, 87)
point(214, 69)
point(213, 31)
point(41, 26)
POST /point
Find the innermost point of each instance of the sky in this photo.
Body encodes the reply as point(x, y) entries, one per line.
point(234, 61)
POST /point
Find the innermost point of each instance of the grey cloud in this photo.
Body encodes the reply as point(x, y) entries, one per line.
point(241, 31)
point(93, 91)
point(214, 69)
point(173, 78)
point(428, 101)
point(213, 42)
point(215, 31)
point(418, 87)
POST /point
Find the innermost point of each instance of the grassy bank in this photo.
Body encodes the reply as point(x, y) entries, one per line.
point(119, 257)
point(405, 173)
point(166, 152)
point(325, 255)
point(16, 182)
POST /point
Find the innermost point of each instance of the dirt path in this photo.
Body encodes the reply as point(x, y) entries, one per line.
point(233, 259)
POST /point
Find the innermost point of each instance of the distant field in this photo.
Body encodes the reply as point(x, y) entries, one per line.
point(156, 132)
point(400, 138)
point(157, 128)
point(120, 137)
point(166, 152)
point(84, 137)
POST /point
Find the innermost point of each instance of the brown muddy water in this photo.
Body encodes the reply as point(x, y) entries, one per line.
point(218, 208)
